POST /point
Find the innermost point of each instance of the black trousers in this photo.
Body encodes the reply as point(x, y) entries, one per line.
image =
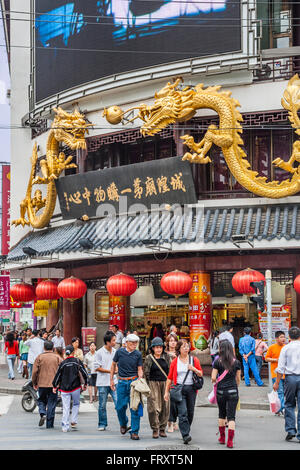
point(227, 401)
point(186, 409)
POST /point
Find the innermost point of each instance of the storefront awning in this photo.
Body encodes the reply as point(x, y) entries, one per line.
point(209, 228)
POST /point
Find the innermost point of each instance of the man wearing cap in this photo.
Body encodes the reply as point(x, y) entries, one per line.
point(130, 367)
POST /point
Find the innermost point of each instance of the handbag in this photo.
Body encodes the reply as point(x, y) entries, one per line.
point(212, 397)
point(176, 391)
point(197, 381)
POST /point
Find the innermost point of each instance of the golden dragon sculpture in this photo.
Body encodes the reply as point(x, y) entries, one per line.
point(175, 103)
point(67, 128)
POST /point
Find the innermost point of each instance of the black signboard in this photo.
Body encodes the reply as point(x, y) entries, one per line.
point(166, 181)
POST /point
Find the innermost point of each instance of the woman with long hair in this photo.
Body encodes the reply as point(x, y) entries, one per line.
point(181, 372)
point(171, 343)
point(11, 349)
point(226, 374)
point(23, 349)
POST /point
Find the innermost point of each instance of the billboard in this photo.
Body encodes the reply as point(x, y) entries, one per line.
point(80, 41)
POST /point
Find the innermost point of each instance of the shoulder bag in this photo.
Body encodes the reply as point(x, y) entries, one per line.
point(212, 397)
point(197, 381)
point(176, 391)
point(155, 361)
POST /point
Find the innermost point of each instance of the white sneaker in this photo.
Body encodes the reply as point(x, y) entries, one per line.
point(101, 428)
point(64, 430)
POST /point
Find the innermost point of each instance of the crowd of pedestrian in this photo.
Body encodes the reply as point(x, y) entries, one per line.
point(169, 377)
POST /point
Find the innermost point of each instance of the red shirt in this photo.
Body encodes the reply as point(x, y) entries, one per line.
point(173, 369)
point(14, 349)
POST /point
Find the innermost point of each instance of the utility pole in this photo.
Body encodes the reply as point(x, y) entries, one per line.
point(268, 276)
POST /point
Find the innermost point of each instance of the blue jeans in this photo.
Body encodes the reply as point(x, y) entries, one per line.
point(252, 364)
point(292, 396)
point(259, 363)
point(103, 393)
point(47, 402)
point(123, 400)
point(30, 367)
point(11, 363)
point(280, 392)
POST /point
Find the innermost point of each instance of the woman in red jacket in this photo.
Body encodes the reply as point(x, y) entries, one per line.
point(181, 370)
point(11, 349)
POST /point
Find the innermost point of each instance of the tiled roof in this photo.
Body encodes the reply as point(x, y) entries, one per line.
point(198, 224)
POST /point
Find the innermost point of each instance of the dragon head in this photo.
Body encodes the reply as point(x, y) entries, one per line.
point(171, 105)
point(70, 128)
point(163, 112)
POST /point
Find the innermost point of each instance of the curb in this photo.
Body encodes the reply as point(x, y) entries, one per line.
point(244, 405)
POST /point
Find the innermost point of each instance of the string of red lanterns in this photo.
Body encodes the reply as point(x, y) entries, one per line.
point(22, 292)
point(72, 288)
point(47, 290)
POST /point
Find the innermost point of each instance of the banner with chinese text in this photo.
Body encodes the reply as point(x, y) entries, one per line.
point(162, 181)
point(281, 321)
point(5, 209)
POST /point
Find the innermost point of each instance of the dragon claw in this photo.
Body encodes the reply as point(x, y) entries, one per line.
point(284, 165)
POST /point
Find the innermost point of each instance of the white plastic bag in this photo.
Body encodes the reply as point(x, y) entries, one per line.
point(274, 401)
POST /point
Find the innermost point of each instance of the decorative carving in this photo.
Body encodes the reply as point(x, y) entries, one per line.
point(69, 129)
point(175, 103)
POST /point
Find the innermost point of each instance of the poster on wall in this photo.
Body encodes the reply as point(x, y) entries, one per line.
point(200, 310)
point(88, 334)
point(281, 320)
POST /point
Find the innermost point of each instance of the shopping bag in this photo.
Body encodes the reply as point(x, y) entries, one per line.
point(212, 397)
point(274, 401)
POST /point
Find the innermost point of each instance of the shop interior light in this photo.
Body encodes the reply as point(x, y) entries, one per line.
point(89, 248)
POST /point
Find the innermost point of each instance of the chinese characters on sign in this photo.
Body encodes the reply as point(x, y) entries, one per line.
point(88, 336)
point(200, 310)
point(5, 209)
point(4, 297)
point(165, 181)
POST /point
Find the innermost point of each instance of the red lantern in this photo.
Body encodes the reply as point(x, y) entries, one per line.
point(176, 283)
point(72, 288)
point(22, 292)
point(297, 284)
point(241, 281)
point(121, 285)
point(47, 290)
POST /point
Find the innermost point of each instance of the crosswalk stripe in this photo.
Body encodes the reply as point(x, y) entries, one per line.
point(5, 402)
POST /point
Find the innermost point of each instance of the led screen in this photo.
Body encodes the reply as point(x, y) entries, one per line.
point(84, 40)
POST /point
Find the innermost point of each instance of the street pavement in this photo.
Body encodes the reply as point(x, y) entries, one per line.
point(257, 428)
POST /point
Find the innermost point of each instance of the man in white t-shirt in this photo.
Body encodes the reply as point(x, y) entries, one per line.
point(102, 365)
point(36, 347)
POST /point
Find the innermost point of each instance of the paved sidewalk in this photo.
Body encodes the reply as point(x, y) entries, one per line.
point(253, 397)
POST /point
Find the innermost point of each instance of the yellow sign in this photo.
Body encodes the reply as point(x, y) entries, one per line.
point(41, 307)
